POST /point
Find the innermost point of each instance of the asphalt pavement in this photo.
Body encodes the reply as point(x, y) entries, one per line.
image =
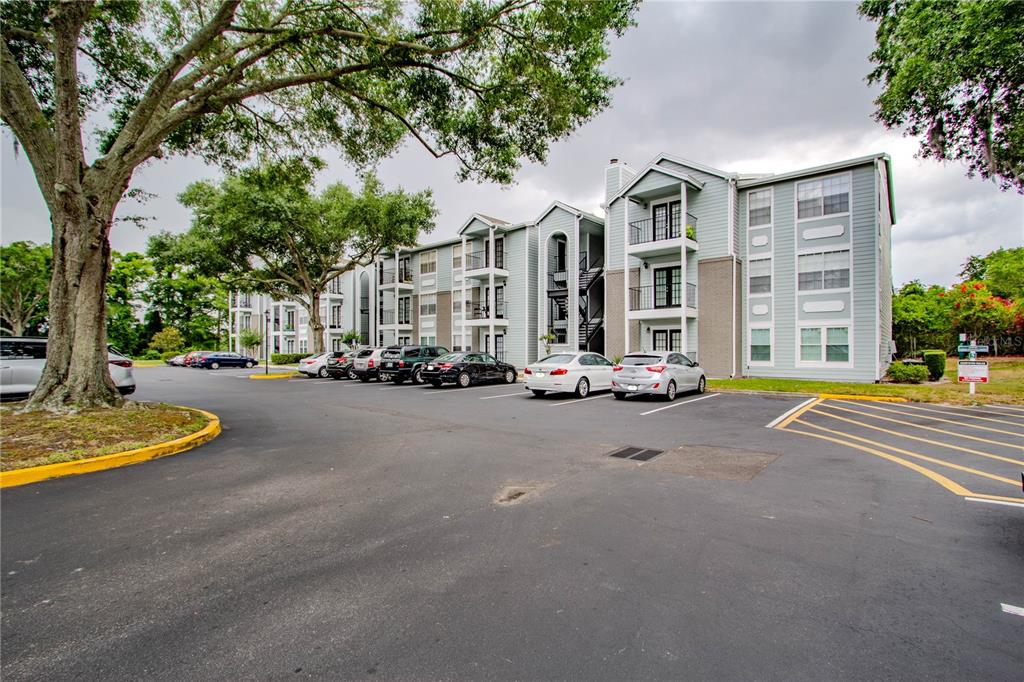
point(339, 530)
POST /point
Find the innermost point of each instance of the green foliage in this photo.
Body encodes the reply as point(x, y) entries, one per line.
point(286, 358)
point(1002, 270)
point(907, 374)
point(168, 354)
point(126, 284)
point(977, 312)
point(935, 361)
point(180, 297)
point(151, 354)
point(351, 338)
point(250, 338)
point(168, 340)
point(920, 317)
point(691, 232)
point(951, 75)
point(24, 287)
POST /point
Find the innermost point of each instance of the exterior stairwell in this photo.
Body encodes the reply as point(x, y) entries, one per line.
point(591, 312)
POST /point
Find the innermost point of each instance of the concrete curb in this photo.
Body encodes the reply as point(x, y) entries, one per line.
point(9, 479)
point(874, 398)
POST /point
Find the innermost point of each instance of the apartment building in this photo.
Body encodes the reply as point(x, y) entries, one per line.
point(785, 275)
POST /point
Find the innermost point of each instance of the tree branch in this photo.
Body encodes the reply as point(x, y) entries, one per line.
point(21, 111)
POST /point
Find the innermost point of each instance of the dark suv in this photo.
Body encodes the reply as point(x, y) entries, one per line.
point(399, 363)
point(340, 367)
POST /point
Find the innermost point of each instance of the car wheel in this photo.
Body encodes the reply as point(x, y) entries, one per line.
point(618, 395)
point(701, 385)
point(583, 388)
point(538, 394)
point(510, 376)
point(364, 379)
point(417, 378)
point(670, 391)
point(351, 375)
point(464, 379)
point(214, 365)
point(322, 373)
point(248, 365)
point(435, 384)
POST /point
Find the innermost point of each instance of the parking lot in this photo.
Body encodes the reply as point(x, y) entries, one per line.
point(346, 530)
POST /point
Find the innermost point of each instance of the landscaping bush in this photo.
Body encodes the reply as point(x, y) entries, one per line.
point(167, 355)
point(151, 354)
point(935, 361)
point(907, 374)
point(286, 358)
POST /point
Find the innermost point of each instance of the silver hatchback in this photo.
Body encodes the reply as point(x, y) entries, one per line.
point(21, 365)
point(662, 373)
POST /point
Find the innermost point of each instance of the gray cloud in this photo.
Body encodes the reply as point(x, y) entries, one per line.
point(743, 86)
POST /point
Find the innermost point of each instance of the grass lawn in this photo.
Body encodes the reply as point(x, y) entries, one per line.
point(1006, 385)
point(149, 363)
point(37, 438)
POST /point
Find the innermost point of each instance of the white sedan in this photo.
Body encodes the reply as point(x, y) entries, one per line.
point(578, 373)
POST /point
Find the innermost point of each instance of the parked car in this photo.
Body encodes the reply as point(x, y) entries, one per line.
point(366, 364)
point(658, 373)
point(578, 373)
point(316, 365)
point(341, 367)
point(176, 361)
point(464, 369)
point(223, 359)
point(406, 362)
point(21, 365)
point(192, 357)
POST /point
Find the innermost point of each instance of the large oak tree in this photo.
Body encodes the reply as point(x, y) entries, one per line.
point(487, 82)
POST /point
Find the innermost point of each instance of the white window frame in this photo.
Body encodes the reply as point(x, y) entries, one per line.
point(761, 257)
point(428, 258)
point(770, 191)
point(821, 179)
point(771, 345)
point(819, 250)
point(431, 300)
point(457, 256)
point(824, 326)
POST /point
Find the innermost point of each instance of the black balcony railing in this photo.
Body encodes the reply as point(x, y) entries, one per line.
point(479, 260)
point(651, 297)
point(656, 230)
point(482, 312)
point(558, 280)
point(404, 276)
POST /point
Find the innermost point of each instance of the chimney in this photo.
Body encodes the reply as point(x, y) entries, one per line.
point(616, 174)
point(613, 161)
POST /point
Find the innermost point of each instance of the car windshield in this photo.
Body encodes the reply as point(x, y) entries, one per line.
point(451, 357)
point(557, 359)
point(639, 359)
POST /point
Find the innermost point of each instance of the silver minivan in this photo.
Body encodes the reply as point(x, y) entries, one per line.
point(21, 365)
point(663, 373)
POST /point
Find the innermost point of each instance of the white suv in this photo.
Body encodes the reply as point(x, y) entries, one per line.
point(21, 365)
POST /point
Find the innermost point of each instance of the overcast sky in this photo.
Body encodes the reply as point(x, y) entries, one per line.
point(763, 87)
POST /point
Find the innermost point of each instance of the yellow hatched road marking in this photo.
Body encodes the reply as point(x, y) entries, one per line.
point(929, 428)
point(946, 483)
point(791, 418)
point(926, 458)
point(917, 438)
point(947, 421)
point(965, 416)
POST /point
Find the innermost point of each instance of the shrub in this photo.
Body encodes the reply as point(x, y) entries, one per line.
point(167, 340)
point(167, 355)
point(935, 361)
point(287, 358)
point(151, 354)
point(907, 374)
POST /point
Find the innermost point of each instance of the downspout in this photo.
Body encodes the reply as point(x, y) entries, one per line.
point(576, 286)
point(732, 276)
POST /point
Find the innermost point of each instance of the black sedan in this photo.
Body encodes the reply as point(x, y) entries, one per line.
point(218, 360)
point(464, 369)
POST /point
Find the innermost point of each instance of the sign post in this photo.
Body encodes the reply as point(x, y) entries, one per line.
point(972, 371)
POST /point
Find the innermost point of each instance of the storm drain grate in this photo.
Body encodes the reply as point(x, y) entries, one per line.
point(636, 454)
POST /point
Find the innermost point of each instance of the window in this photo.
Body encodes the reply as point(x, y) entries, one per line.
point(335, 315)
point(761, 345)
point(836, 344)
point(405, 310)
point(667, 220)
point(759, 208)
point(334, 286)
point(11, 349)
point(428, 341)
point(827, 196)
point(828, 270)
point(760, 276)
point(246, 321)
point(457, 306)
point(668, 287)
point(457, 257)
point(428, 262)
point(289, 321)
point(668, 339)
point(336, 344)
point(428, 304)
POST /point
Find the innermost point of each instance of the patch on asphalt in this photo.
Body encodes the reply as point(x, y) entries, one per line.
point(636, 454)
point(514, 494)
point(702, 461)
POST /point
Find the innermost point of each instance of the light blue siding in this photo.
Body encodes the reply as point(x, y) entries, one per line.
point(711, 207)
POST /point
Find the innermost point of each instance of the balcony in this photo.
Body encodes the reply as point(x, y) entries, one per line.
point(650, 302)
point(650, 237)
point(478, 316)
point(401, 278)
point(477, 264)
point(558, 283)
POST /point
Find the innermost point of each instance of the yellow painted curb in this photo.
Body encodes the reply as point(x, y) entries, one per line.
point(9, 479)
point(875, 398)
point(276, 375)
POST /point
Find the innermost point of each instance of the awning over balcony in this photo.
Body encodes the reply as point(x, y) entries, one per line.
point(655, 182)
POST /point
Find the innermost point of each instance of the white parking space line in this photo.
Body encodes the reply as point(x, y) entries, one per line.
point(685, 402)
point(1015, 610)
point(504, 395)
point(772, 423)
point(1003, 503)
point(579, 400)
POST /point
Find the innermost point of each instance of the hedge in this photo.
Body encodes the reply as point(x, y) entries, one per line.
point(935, 360)
point(287, 358)
point(907, 374)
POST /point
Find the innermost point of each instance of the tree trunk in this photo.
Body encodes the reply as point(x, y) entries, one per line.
point(316, 326)
point(77, 374)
